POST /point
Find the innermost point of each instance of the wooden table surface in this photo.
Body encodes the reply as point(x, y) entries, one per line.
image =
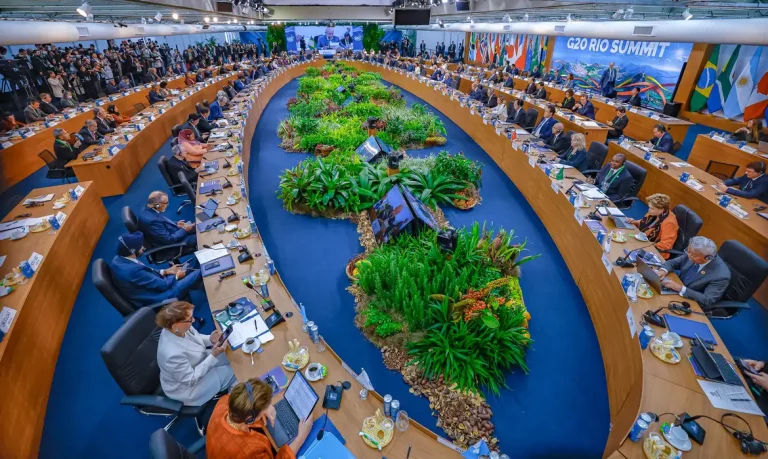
point(29, 352)
point(720, 225)
point(707, 149)
point(637, 381)
point(354, 410)
point(114, 174)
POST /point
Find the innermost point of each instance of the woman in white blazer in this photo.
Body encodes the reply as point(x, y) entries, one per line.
point(192, 368)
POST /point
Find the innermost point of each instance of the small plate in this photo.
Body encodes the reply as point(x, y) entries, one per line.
point(620, 239)
point(20, 233)
point(641, 237)
point(664, 353)
point(681, 445)
point(672, 339)
point(644, 291)
point(248, 349)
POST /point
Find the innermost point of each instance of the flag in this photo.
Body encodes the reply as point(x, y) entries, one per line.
point(518, 57)
point(758, 101)
point(743, 82)
point(706, 82)
point(723, 84)
point(534, 62)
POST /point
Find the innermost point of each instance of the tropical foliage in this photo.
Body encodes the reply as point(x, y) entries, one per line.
point(463, 313)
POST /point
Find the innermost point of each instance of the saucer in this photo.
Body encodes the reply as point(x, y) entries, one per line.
point(641, 237)
point(256, 345)
point(674, 441)
point(673, 339)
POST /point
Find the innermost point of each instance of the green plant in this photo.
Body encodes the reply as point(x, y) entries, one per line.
point(433, 188)
point(276, 34)
point(383, 322)
point(211, 42)
point(372, 36)
point(458, 167)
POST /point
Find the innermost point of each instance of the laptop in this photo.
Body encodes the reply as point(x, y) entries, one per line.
point(209, 210)
point(713, 365)
point(762, 147)
point(621, 222)
point(296, 406)
point(652, 278)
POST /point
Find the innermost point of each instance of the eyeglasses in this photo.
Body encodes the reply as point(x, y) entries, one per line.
point(187, 321)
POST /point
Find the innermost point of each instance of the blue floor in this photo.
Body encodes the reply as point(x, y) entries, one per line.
point(84, 417)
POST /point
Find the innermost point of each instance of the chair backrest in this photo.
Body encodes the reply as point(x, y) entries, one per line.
point(596, 155)
point(175, 131)
point(748, 270)
point(198, 108)
point(638, 175)
point(139, 107)
point(163, 446)
point(129, 220)
point(130, 354)
point(101, 274)
point(677, 146)
point(47, 156)
point(533, 116)
point(689, 225)
point(162, 164)
point(187, 187)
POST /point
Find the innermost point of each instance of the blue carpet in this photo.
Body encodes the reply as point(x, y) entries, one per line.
point(84, 417)
point(566, 375)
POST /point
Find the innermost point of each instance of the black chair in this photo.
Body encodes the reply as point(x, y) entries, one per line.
point(131, 358)
point(689, 224)
point(163, 446)
point(187, 187)
point(532, 115)
point(175, 135)
point(54, 172)
point(638, 176)
point(139, 107)
point(596, 155)
point(175, 188)
point(170, 253)
point(101, 274)
point(676, 147)
point(748, 271)
point(198, 108)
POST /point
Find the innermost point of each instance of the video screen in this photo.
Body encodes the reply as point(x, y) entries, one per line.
point(324, 37)
point(369, 150)
point(390, 216)
point(421, 210)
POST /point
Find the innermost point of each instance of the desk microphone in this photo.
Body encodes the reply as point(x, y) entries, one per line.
point(228, 184)
point(227, 164)
point(624, 262)
point(270, 304)
point(234, 217)
point(322, 431)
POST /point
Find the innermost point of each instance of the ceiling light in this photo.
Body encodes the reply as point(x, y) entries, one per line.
point(158, 16)
point(568, 18)
point(687, 14)
point(628, 14)
point(143, 20)
point(175, 16)
point(618, 14)
point(445, 1)
point(84, 10)
point(207, 19)
point(215, 19)
point(234, 20)
point(526, 17)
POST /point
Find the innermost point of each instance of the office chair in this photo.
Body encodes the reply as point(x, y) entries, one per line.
point(596, 154)
point(163, 446)
point(175, 188)
point(157, 255)
point(748, 271)
point(54, 172)
point(532, 117)
point(596, 110)
point(101, 274)
point(130, 356)
point(676, 147)
point(175, 134)
point(689, 224)
point(139, 107)
point(188, 189)
point(638, 176)
point(198, 108)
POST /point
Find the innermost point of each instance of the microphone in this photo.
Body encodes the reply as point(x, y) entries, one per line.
point(624, 261)
point(322, 431)
point(234, 217)
point(228, 184)
point(227, 164)
point(270, 304)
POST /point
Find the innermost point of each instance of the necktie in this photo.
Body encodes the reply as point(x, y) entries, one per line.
point(689, 275)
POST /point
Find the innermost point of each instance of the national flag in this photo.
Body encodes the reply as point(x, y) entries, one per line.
point(706, 82)
point(743, 82)
point(518, 57)
point(719, 94)
point(534, 53)
point(758, 101)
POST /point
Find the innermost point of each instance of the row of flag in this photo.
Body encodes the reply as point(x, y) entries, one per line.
point(734, 83)
point(526, 52)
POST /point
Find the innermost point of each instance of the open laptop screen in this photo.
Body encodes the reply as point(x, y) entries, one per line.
point(301, 396)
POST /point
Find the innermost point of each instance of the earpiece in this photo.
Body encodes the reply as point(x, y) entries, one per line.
point(249, 389)
point(156, 205)
point(709, 257)
point(120, 238)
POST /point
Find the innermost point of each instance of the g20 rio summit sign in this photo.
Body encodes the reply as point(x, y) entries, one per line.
point(623, 47)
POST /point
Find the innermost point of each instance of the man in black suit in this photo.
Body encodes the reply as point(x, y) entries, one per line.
point(452, 51)
point(104, 125)
point(112, 88)
point(531, 88)
point(423, 48)
point(192, 121)
point(90, 133)
point(509, 82)
point(614, 180)
point(752, 185)
point(619, 123)
point(541, 92)
point(704, 275)
point(204, 126)
point(560, 141)
point(461, 52)
point(497, 77)
point(65, 151)
point(521, 117)
point(634, 100)
point(46, 104)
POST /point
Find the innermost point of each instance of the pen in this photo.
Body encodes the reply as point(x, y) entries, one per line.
point(740, 400)
point(409, 452)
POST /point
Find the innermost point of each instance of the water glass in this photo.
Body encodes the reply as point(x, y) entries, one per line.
point(402, 421)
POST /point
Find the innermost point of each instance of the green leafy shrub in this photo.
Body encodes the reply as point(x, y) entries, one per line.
point(458, 167)
point(384, 323)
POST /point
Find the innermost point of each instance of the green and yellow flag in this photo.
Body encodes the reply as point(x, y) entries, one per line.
point(706, 82)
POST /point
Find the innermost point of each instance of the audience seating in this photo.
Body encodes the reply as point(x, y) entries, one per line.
point(163, 446)
point(156, 255)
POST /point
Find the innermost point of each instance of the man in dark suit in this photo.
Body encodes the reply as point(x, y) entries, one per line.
point(752, 185)
point(536, 72)
point(560, 141)
point(619, 123)
point(496, 78)
point(193, 120)
point(521, 117)
point(46, 104)
point(159, 230)
point(105, 125)
point(112, 88)
point(584, 107)
point(541, 92)
point(452, 51)
point(531, 88)
point(704, 275)
point(204, 126)
point(143, 285)
point(64, 150)
point(509, 82)
point(608, 81)
point(461, 52)
point(662, 140)
point(634, 100)
point(544, 129)
point(90, 133)
point(614, 180)
point(422, 48)
point(437, 75)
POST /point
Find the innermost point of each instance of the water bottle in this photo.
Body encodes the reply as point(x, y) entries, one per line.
point(647, 155)
point(26, 269)
point(264, 289)
point(271, 266)
point(646, 335)
point(684, 177)
point(55, 225)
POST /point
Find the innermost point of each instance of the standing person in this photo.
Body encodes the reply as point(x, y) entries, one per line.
point(56, 82)
point(608, 81)
point(452, 51)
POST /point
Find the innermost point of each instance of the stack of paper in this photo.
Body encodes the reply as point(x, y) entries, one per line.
point(252, 326)
point(215, 252)
point(594, 194)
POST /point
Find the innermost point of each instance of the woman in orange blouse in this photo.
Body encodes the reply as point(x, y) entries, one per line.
point(190, 79)
point(237, 426)
point(659, 224)
point(114, 113)
point(191, 149)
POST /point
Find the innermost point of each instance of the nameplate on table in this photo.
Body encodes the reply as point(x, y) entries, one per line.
point(127, 137)
point(737, 210)
point(531, 160)
point(448, 444)
point(655, 117)
point(5, 145)
point(631, 322)
point(695, 185)
point(35, 260)
point(717, 138)
point(60, 217)
point(748, 149)
point(485, 121)
point(656, 162)
point(137, 89)
point(79, 190)
point(578, 217)
point(556, 187)
point(126, 93)
point(607, 263)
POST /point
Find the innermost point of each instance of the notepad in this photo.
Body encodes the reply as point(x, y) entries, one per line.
point(594, 194)
point(249, 327)
point(206, 255)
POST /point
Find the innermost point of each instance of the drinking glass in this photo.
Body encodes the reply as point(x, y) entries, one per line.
point(402, 421)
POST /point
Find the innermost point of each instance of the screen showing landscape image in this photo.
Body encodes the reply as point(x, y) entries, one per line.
point(390, 216)
point(654, 67)
point(324, 37)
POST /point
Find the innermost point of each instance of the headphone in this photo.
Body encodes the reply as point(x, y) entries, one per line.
point(133, 251)
point(748, 443)
point(709, 257)
point(249, 389)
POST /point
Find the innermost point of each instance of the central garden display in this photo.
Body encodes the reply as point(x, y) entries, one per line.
point(452, 321)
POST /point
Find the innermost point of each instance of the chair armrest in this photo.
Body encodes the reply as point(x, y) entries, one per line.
point(591, 171)
point(162, 303)
point(178, 245)
point(626, 201)
point(152, 401)
point(731, 304)
point(197, 446)
point(674, 252)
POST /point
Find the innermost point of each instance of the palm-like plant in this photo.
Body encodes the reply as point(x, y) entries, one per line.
point(433, 189)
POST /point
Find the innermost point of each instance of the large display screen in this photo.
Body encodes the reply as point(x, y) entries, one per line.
point(324, 37)
point(390, 216)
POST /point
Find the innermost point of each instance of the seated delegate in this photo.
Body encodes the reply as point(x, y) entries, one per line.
point(177, 163)
point(193, 120)
point(703, 274)
point(618, 124)
point(752, 185)
point(192, 150)
point(104, 124)
point(521, 117)
point(531, 88)
point(143, 285)
point(634, 100)
point(661, 140)
point(117, 118)
point(560, 141)
point(584, 107)
point(10, 123)
point(90, 133)
point(216, 108)
point(493, 100)
point(64, 150)
point(614, 180)
point(32, 112)
point(759, 381)
point(576, 155)
point(46, 104)
point(544, 129)
point(190, 372)
point(569, 101)
point(751, 133)
point(541, 92)
point(659, 224)
point(237, 425)
point(154, 95)
point(159, 230)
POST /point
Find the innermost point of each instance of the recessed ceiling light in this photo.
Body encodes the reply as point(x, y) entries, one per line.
point(175, 16)
point(84, 10)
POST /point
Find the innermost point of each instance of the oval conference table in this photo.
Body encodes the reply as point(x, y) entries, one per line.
point(637, 381)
